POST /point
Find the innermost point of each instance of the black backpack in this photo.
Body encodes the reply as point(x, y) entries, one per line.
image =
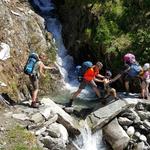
point(30, 64)
point(80, 70)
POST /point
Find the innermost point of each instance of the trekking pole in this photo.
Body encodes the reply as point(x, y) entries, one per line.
point(118, 76)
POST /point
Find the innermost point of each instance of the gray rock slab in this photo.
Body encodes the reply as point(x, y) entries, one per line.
point(100, 117)
point(36, 118)
point(124, 121)
point(40, 131)
point(20, 116)
point(46, 112)
point(115, 135)
point(51, 120)
point(63, 118)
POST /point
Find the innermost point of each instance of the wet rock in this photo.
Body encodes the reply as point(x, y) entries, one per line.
point(136, 117)
point(140, 106)
point(146, 123)
point(144, 115)
point(137, 134)
point(63, 118)
point(143, 129)
point(124, 121)
point(115, 135)
point(128, 115)
point(130, 131)
point(140, 146)
point(69, 109)
point(103, 115)
point(58, 131)
point(143, 138)
point(53, 143)
point(148, 138)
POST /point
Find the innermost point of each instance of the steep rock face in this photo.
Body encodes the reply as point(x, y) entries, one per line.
point(78, 17)
point(23, 30)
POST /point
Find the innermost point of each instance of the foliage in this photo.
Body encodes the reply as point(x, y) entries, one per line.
point(123, 26)
point(110, 28)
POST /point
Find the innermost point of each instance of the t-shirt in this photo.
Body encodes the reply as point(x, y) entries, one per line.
point(90, 74)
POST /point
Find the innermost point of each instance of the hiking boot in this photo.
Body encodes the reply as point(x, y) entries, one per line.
point(39, 102)
point(146, 97)
point(140, 97)
point(34, 105)
point(69, 104)
point(104, 102)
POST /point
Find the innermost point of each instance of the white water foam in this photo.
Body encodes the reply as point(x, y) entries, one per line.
point(87, 140)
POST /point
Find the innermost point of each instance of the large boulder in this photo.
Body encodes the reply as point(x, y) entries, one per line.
point(63, 118)
point(102, 116)
point(115, 135)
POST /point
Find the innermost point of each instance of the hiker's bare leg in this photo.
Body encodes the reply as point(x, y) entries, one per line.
point(94, 87)
point(97, 91)
point(147, 90)
point(81, 87)
point(113, 92)
point(143, 86)
point(127, 86)
point(34, 95)
point(76, 94)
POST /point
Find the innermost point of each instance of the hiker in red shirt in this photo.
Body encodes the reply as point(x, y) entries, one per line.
point(89, 78)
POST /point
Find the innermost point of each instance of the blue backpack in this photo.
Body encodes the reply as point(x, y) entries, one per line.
point(80, 70)
point(134, 70)
point(32, 60)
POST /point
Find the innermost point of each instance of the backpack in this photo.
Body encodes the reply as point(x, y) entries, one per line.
point(134, 70)
point(129, 58)
point(80, 70)
point(32, 60)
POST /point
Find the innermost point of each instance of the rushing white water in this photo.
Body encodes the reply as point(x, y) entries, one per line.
point(87, 140)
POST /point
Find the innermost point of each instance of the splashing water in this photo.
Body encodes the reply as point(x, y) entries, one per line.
point(87, 140)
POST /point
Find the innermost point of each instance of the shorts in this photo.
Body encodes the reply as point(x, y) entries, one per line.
point(34, 81)
point(129, 78)
point(148, 81)
point(84, 83)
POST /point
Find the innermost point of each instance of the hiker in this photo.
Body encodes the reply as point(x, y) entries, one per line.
point(145, 81)
point(133, 68)
point(38, 70)
point(107, 88)
point(89, 78)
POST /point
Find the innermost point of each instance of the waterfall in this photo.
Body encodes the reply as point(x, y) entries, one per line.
point(87, 140)
point(64, 61)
